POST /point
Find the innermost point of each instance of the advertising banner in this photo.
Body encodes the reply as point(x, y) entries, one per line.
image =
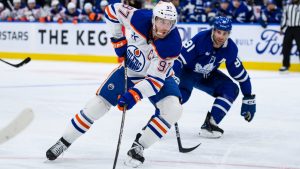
point(255, 43)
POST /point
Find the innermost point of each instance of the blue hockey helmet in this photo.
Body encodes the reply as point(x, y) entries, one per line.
point(222, 23)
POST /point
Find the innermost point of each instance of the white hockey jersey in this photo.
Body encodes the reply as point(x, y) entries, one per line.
point(149, 60)
point(33, 14)
point(4, 14)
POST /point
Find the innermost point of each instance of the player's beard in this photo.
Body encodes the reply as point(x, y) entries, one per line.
point(218, 42)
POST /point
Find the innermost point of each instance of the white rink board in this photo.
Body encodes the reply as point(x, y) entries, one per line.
point(255, 43)
point(56, 91)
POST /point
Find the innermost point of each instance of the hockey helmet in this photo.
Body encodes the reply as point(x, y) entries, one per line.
point(222, 23)
point(103, 3)
point(88, 6)
point(16, 1)
point(1, 5)
point(71, 5)
point(30, 1)
point(166, 12)
point(54, 3)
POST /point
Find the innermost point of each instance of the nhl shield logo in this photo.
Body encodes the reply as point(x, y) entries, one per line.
point(111, 86)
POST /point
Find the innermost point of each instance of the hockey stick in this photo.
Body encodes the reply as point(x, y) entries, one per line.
point(17, 125)
point(123, 116)
point(19, 64)
point(181, 149)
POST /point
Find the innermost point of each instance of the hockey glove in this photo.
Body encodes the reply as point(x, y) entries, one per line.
point(248, 107)
point(130, 98)
point(120, 46)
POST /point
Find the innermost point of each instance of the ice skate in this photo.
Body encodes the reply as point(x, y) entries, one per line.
point(210, 129)
point(135, 154)
point(284, 70)
point(57, 149)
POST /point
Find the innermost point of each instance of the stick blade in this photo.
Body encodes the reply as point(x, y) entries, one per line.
point(187, 150)
point(28, 59)
point(25, 61)
point(17, 125)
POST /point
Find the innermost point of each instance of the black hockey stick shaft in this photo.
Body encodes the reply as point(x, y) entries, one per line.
point(19, 64)
point(182, 149)
point(123, 117)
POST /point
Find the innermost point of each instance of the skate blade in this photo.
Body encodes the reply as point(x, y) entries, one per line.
point(208, 134)
point(130, 162)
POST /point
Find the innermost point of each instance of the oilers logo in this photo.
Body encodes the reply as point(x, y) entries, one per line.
point(135, 58)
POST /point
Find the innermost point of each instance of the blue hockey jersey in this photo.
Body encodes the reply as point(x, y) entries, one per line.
point(200, 57)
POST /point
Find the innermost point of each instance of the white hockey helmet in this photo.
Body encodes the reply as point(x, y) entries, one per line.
point(88, 6)
point(54, 3)
point(166, 11)
point(16, 1)
point(30, 1)
point(71, 5)
point(103, 3)
point(1, 6)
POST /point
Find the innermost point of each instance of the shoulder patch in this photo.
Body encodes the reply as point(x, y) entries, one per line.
point(141, 22)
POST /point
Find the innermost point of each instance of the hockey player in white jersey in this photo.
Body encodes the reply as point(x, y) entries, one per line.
point(4, 12)
point(33, 12)
point(151, 44)
point(72, 13)
point(18, 10)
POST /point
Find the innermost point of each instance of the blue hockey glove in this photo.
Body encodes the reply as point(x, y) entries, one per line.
point(120, 46)
point(130, 98)
point(248, 107)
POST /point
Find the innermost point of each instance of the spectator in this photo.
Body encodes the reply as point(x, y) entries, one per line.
point(103, 5)
point(188, 12)
point(207, 14)
point(72, 13)
point(240, 12)
point(270, 14)
point(4, 12)
point(57, 12)
point(89, 14)
point(149, 4)
point(17, 13)
point(32, 12)
point(224, 9)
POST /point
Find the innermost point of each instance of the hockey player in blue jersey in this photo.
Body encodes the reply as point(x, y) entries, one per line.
point(197, 67)
point(151, 45)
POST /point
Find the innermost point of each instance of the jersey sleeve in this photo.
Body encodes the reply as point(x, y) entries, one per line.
point(118, 15)
point(238, 72)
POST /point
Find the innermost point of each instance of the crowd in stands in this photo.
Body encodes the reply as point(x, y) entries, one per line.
point(53, 11)
point(240, 11)
point(197, 11)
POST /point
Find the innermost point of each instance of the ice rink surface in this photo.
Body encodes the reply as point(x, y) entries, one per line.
point(57, 90)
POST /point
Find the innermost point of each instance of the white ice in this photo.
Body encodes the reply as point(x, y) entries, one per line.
point(57, 90)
